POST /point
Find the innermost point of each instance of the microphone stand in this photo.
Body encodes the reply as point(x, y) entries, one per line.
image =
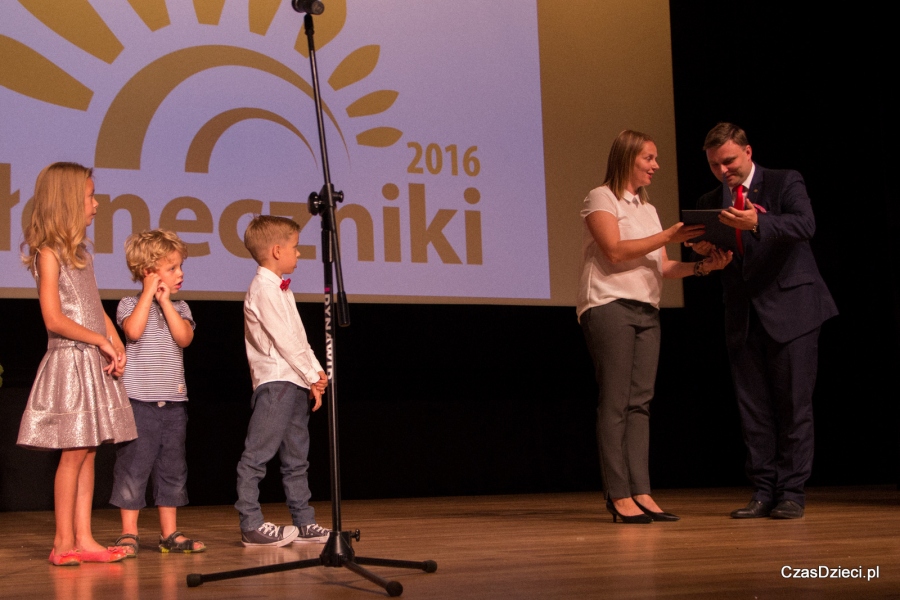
point(338, 551)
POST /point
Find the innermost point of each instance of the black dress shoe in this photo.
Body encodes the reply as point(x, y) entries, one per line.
point(657, 516)
point(754, 510)
point(787, 509)
point(643, 519)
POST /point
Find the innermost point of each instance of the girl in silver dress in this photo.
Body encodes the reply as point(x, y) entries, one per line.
point(77, 401)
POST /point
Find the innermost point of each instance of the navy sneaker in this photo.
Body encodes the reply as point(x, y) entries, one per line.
point(312, 534)
point(268, 534)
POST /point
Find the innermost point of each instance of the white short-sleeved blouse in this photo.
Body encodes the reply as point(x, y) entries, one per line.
point(637, 279)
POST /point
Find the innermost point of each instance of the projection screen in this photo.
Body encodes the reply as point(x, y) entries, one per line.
point(464, 135)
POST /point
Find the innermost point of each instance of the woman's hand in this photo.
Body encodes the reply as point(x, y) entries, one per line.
point(679, 232)
point(703, 248)
point(604, 228)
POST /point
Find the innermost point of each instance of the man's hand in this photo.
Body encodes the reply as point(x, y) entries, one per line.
point(740, 219)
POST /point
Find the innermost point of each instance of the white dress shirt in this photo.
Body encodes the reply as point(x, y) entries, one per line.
point(746, 185)
point(277, 348)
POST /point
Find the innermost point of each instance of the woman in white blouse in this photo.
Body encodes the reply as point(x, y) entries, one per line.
point(624, 262)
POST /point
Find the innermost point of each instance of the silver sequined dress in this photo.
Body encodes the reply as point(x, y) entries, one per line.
point(73, 403)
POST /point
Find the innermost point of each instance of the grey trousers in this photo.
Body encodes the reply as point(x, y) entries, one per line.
point(279, 424)
point(623, 338)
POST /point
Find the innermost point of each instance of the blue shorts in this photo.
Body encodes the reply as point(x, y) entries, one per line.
point(158, 452)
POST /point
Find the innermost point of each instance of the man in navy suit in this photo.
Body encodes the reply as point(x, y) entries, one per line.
point(775, 304)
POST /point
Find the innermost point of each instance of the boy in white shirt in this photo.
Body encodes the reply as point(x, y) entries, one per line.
point(284, 371)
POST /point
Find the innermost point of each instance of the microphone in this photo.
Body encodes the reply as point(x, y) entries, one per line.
point(313, 7)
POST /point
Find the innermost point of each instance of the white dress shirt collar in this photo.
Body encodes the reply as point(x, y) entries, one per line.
point(746, 183)
point(631, 198)
point(270, 275)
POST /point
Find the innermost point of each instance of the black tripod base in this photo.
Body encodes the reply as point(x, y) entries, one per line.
point(338, 552)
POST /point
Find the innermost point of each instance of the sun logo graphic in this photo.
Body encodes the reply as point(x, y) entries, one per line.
point(122, 138)
point(198, 114)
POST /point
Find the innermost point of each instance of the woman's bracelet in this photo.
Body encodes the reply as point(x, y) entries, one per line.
point(698, 268)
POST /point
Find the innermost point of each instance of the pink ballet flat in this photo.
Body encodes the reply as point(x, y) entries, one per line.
point(102, 556)
point(66, 559)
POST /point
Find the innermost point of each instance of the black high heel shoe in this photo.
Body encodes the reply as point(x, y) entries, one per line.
point(657, 516)
point(626, 519)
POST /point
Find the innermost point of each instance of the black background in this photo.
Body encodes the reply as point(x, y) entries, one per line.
point(448, 400)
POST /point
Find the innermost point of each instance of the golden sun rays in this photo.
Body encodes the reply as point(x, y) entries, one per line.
point(204, 142)
point(26, 71)
point(153, 13)
point(79, 23)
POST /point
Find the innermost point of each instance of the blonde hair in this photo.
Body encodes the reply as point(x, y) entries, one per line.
point(57, 218)
point(265, 231)
point(622, 156)
point(144, 250)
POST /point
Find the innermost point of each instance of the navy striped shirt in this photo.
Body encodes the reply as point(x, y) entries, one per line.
point(155, 368)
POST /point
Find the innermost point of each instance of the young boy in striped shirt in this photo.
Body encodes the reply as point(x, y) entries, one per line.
point(156, 328)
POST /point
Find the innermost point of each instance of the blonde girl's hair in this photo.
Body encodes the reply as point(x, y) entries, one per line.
point(57, 218)
point(622, 156)
point(144, 250)
point(265, 231)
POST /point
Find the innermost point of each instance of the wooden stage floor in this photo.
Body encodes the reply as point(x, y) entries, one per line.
point(499, 547)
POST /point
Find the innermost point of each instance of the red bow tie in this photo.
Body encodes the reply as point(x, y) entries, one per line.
point(285, 284)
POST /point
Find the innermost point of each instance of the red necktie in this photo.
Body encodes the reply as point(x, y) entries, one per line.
point(739, 204)
point(285, 284)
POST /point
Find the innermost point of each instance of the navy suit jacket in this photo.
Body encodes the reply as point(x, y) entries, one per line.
point(777, 274)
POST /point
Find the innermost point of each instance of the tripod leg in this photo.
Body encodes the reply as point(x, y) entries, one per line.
point(393, 588)
point(429, 566)
point(195, 579)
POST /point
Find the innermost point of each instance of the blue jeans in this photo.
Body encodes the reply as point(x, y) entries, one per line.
point(278, 424)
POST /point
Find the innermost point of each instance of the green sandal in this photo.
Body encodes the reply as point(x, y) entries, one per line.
point(186, 547)
point(134, 546)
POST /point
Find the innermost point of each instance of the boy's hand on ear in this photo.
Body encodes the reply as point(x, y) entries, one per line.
point(151, 283)
point(162, 291)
